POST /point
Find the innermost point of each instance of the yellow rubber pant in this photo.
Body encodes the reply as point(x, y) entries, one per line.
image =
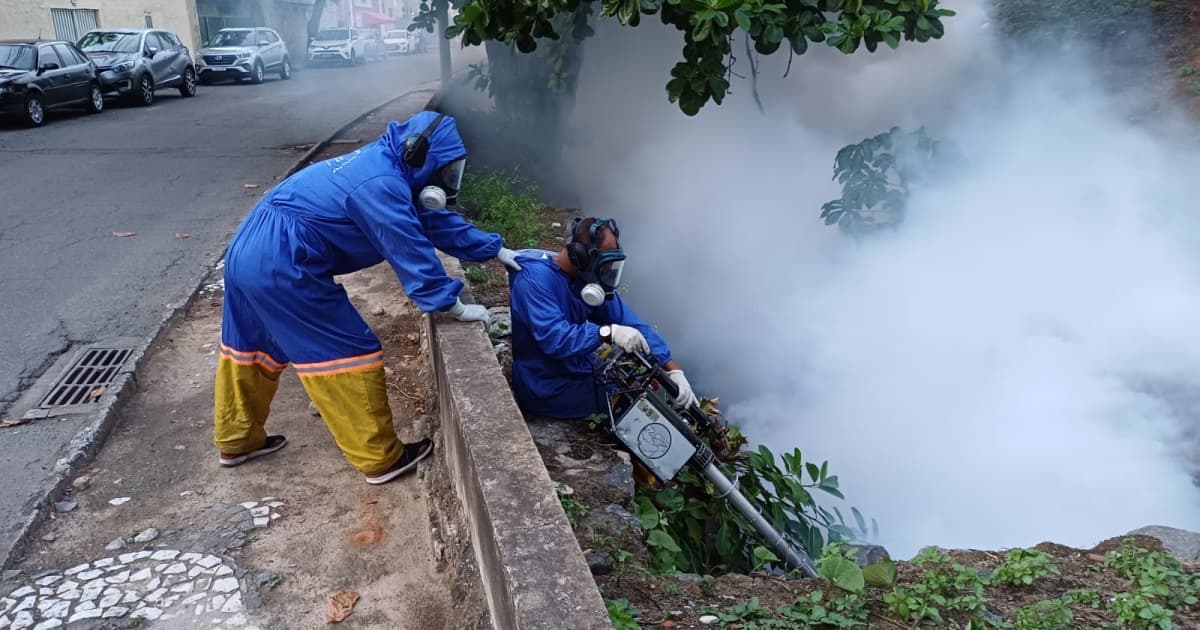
point(351, 395)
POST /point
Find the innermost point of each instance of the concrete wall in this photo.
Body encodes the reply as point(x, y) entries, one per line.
point(28, 18)
point(533, 571)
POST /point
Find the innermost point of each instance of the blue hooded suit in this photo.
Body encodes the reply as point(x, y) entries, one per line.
point(283, 307)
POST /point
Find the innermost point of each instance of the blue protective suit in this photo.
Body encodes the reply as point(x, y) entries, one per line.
point(335, 217)
point(554, 337)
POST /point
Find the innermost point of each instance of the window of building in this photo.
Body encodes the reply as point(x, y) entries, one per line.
point(71, 24)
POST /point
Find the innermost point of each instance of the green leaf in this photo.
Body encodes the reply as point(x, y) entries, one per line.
point(843, 572)
point(814, 471)
point(762, 555)
point(646, 513)
point(882, 574)
point(670, 499)
point(661, 539)
point(742, 18)
point(858, 517)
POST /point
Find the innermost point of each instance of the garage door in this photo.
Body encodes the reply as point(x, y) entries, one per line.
point(71, 24)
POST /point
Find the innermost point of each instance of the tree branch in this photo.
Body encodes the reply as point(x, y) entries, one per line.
point(754, 76)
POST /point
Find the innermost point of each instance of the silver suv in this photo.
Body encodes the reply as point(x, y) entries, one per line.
point(243, 53)
point(133, 63)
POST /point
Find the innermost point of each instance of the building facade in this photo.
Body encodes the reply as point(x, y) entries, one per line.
point(70, 19)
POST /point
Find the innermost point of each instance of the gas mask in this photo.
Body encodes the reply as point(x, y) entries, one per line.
point(600, 270)
point(442, 189)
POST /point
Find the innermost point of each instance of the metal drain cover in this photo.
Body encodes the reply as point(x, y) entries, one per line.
point(87, 378)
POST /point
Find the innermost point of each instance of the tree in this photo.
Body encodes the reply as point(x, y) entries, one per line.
point(314, 21)
point(879, 174)
point(708, 28)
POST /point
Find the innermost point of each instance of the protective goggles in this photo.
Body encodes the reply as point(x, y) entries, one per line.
point(451, 175)
point(607, 267)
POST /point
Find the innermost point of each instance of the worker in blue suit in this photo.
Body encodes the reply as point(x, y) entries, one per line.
point(564, 306)
point(384, 201)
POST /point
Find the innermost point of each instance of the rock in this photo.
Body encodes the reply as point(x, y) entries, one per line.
point(49, 580)
point(867, 554)
point(1183, 544)
point(82, 482)
point(49, 624)
point(613, 520)
point(11, 574)
point(117, 543)
point(178, 567)
point(708, 620)
point(143, 574)
point(208, 561)
point(226, 585)
point(78, 568)
point(119, 501)
point(62, 507)
point(620, 478)
point(103, 562)
point(267, 577)
point(165, 554)
point(147, 613)
point(87, 576)
point(599, 563)
point(689, 578)
point(501, 322)
point(49, 538)
point(23, 591)
point(146, 536)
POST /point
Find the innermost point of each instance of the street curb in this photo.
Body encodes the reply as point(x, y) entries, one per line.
point(88, 440)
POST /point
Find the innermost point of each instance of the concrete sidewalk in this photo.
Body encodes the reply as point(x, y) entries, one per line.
point(155, 531)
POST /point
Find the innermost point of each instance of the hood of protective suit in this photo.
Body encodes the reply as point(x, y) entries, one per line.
point(445, 145)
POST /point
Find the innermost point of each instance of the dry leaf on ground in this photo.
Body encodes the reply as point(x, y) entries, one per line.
point(124, 233)
point(12, 422)
point(98, 392)
point(340, 605)
point(249, 185)
point(182, 235)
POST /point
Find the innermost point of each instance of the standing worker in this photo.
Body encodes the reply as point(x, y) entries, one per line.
point(283, 307)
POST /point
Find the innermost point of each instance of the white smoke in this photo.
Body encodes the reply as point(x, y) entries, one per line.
point(982, 378)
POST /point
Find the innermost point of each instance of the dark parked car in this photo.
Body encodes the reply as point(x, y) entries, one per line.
point(39, 75)
point(133, 63)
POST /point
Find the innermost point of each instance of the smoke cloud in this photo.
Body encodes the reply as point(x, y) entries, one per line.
point(1018, 363)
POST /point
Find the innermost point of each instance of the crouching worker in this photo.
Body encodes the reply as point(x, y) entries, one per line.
point(564, 306)
point(385, 201)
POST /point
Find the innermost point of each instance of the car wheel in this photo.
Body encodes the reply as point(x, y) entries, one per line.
point(144, 93)
point(257, 77)
point(95, 103)
point(35, 112)
point(188, 86)
point(285, 70)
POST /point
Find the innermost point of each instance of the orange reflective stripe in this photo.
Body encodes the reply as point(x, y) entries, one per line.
point(251, 358)
point(328, 364)
point(349, 367)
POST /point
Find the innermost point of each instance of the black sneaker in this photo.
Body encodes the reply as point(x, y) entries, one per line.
point(413, 453)
point(273, 443)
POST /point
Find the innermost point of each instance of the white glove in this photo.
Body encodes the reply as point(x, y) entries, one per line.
point(686, 397)
point(471, 313)
point(629, 339)
point(509, 258)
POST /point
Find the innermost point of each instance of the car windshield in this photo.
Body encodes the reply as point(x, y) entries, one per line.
point(333, 33)
point(101, 42)
point(233, 38)
point(16, 56)
point(396, 34)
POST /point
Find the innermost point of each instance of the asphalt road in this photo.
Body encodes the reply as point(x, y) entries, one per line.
point(176, 167)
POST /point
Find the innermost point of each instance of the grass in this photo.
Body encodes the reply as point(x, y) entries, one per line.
point(505, 203)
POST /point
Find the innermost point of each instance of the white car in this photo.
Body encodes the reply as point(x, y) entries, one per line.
point(403, 42)
point(243, 53)
point(344, 45)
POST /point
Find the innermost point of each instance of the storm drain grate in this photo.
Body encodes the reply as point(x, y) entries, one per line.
point(85, 380)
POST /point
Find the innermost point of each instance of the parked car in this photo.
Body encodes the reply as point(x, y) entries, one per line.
point(133, 63)
point(37, 75)
point(373, 48)
point(243, 53)
point(343, 45)
point(403, 42)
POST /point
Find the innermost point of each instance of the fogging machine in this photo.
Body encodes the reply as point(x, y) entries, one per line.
point(643, 416)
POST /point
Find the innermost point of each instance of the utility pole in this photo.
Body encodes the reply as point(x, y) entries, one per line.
point(443, 20)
